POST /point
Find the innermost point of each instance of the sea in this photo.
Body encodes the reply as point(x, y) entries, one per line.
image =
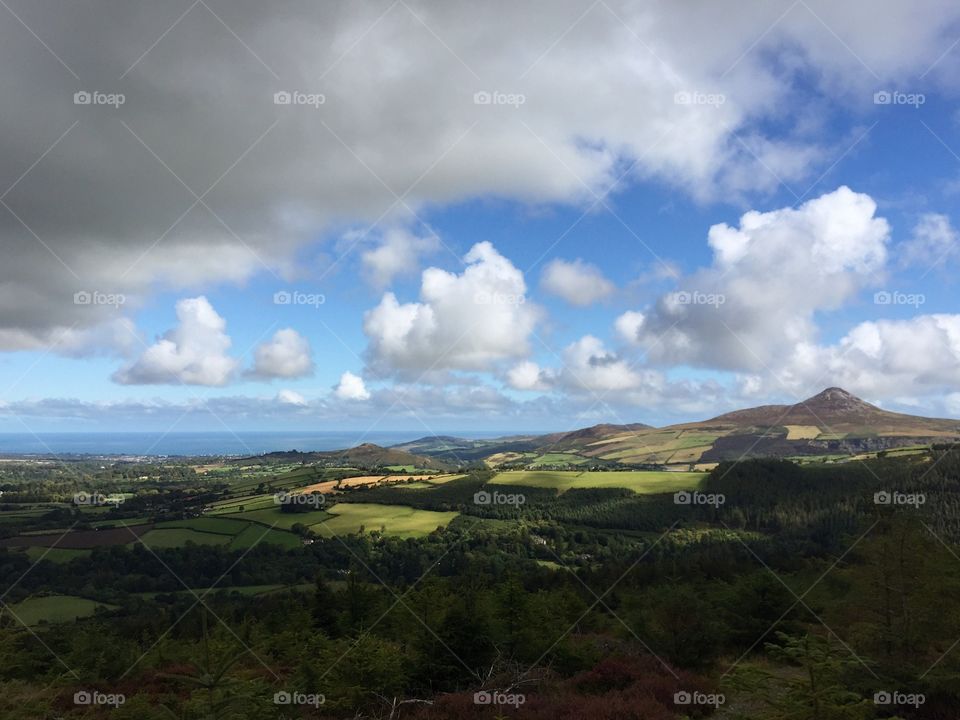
point(196, 444)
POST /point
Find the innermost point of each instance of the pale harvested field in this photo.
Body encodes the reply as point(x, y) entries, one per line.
point(802, 432)
point(330, 486)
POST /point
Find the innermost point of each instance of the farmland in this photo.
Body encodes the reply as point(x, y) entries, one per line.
point(396, 520)
point(55, 609)
point(641, 482)
point(228, 546)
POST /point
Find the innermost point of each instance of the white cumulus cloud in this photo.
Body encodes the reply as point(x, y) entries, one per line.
point(934, 243)
point(291, 397)
point(286, 355)
point(351, 387)
point(770, 275)
point(577, 282)
point(882, 359)
point(527, 375)
point(398, 253)
point(465, 321)
point(628, 325)
point(192, 353)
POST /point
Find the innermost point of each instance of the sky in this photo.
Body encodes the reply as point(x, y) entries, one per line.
point(491, 216)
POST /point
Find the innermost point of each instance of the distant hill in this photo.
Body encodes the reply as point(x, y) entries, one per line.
point(831, 423)
point(366, 455)
point(578, 438)
point(835, 410)
point(462, 451)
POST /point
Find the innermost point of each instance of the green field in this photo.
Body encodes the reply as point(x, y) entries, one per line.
point(644, 482)
point(256, 534)
point(399, 520)
point(177, 537)
point(559, 458)
point(249, 590)
point(238, 531)
point(57, 555)
point(252, 502)
point(124, 522)
point(272, 516)
point(221, 526)
point(55, 609)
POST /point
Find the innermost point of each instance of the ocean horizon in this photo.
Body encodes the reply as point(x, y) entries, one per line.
point(197, 444)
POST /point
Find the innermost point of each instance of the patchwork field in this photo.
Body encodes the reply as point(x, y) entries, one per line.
point(80, 539)
point(177, 537)
point(55, 609)
point(256, 534)
point(241, 530)
point(57, 555)
point(274, 517)
point(802, 432)
point(397, 520)
point(329, 486)
point(640, 481)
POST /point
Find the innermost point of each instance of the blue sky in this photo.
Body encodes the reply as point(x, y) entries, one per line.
point(820, 196)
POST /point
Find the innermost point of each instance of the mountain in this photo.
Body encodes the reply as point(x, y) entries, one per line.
point(578, 438)
point(834, 410)
point(832, 423)
point(463, 451)
point(366, 455)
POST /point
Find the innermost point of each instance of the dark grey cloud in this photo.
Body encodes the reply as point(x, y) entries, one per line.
point(198, 177)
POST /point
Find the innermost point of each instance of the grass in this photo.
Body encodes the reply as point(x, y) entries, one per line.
point(559, 459)
point(178, 537)
point(802, 432)
point(249, 590)
point(57, 555)
point(399, 520)
point(253, 502)
point(273, 516)
point(643, 482)
point(218, 525)
point(239, 531)
point(123, 522)
point(55, 609)
point(259, 535)
point(550, 564)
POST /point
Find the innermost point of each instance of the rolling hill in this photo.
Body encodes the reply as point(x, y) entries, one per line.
point(366, 455)
point(831, 423)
